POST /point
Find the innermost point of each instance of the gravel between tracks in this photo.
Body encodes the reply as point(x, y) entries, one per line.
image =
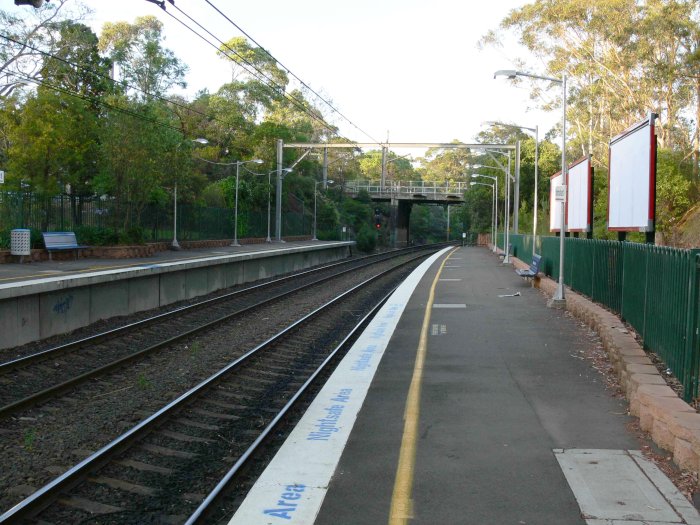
point(38, 444)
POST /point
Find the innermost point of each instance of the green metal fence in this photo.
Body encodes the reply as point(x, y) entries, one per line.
point(655, 289)
point(69, 213)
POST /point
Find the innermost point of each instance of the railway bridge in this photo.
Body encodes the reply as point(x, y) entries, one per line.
point(402, 195)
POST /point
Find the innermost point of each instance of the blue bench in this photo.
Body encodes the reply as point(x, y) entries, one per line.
point(57, 241)
point(533, 270)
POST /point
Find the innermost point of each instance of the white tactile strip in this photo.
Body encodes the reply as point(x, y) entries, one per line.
point(621, 487)
point(292, 487)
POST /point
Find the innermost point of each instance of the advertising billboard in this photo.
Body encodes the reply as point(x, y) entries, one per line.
point(579, 202)
point(632, 178)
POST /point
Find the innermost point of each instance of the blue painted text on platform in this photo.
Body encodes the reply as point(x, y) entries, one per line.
point(287, 502)
point(362, 362)
point(327, 425)
point(61, 307)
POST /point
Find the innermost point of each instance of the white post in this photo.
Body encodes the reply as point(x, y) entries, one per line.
point(534, 219)
point(493, 216)
point(448, 223)
point(315, 191)
point(506, 235)
point(269, 183)
point(175, 245)
point(278, 195)
point(235, 212)
point(495, 231)
point(516, 190)
point(558, 298)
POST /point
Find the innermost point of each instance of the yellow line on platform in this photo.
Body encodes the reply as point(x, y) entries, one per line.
point(401, 502)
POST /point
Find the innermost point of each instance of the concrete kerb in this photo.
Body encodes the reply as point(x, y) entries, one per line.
point(673, 424)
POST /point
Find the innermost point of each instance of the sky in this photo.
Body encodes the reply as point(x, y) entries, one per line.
point(407, 69)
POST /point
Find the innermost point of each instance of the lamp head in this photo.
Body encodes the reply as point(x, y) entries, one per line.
point(257, 161)
point(200, 140)
point(508, 73)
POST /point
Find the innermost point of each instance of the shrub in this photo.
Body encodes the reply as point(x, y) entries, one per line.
point(366, 239)
point(96, 236)
point(134, 235)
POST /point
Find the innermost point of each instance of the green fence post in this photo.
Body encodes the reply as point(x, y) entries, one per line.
point(692, 337)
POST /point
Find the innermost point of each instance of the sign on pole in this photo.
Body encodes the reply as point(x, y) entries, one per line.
point(555, 183)
point(2, 177)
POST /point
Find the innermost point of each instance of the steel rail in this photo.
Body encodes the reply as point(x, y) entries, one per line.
point(54, 390)
point(37, 501)
point(72, 345)
point(202, 511)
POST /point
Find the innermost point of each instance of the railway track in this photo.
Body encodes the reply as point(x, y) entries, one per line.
point(43, 375)
point(175, 463)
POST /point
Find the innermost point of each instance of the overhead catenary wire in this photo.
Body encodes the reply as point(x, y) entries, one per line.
point(266, 80)
point(96, 101)
point(107, 77)
point(291, 73)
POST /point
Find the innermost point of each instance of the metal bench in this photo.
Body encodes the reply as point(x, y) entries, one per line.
point(533, 270)
point(56, 241)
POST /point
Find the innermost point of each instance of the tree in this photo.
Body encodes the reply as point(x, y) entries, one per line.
point(445, 165)
point(26, 39)
point(147, 68)
point(76, 64)
point(397, 168)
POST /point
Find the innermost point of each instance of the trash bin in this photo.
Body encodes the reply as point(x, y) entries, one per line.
point(20, 243)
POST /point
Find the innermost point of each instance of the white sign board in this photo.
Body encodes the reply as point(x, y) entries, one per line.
point(580, 196)
point(632, 179)
point(560, 193)
point(554, 204)
point(2, 177)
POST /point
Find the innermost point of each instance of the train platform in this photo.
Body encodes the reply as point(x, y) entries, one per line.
point(41, 299)
point(15, 272)
point(466, 401)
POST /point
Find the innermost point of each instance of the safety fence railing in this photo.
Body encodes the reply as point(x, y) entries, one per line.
point(424, 188)
point(655, 289)
point(154, 221)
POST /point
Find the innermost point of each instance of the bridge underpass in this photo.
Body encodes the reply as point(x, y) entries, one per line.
point(400, 194)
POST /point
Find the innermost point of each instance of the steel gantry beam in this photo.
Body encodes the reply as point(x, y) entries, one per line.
point(355, 145)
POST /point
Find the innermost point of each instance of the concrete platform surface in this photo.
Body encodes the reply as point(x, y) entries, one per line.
point(511, 423)
point(15, 272)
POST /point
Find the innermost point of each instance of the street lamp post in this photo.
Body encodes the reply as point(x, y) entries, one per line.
point(493, 204)
point(506, 211)
point(558, 298)
point(324, 182)
point(535, 130)
point(238, 164)
point(281, 173)
point(235, 212)
point(495, 222)
point(174, 245)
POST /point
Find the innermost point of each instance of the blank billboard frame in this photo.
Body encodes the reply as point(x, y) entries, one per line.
point(579, 199)
point(632, 178)
point(554, 205)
